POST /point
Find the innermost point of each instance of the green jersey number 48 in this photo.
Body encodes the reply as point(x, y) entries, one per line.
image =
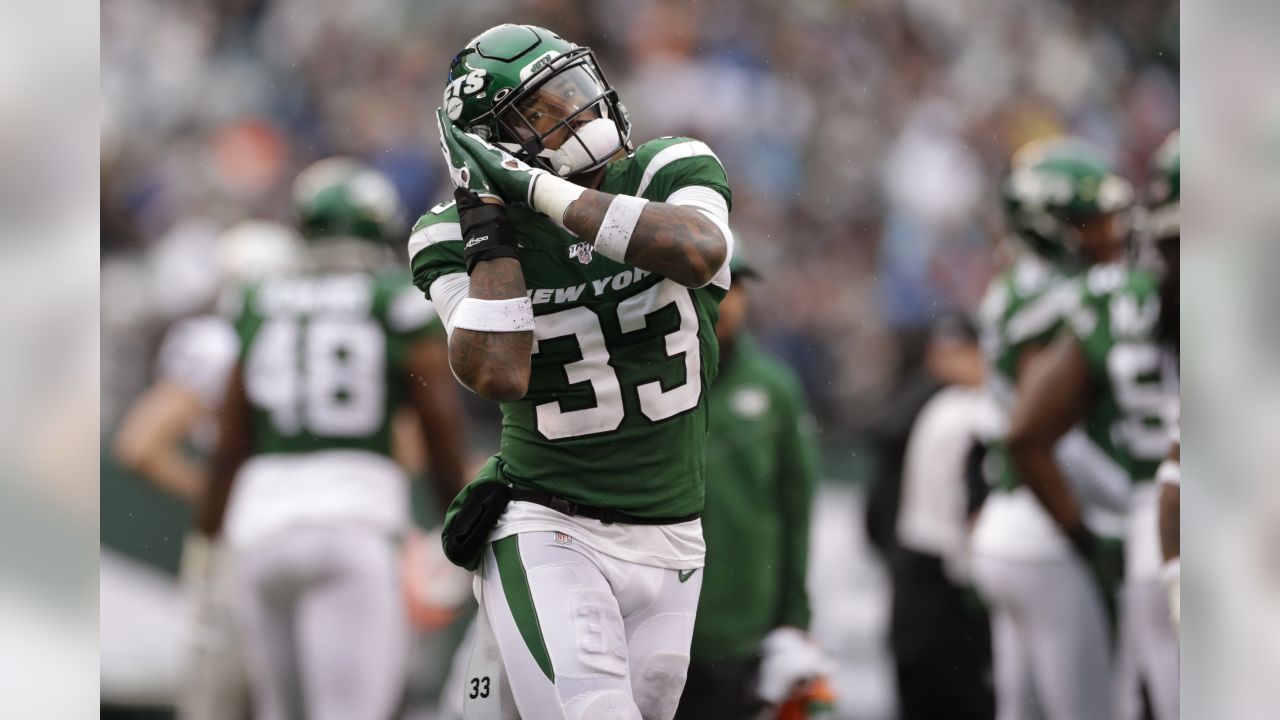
point(324, 375)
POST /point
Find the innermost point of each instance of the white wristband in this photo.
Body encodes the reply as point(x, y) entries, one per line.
point(514, 315)
point(1169, 473)
point(552, 196)
point(618, 224)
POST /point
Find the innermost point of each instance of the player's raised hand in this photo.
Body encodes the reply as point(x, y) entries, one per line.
point(465, 171)
point(513, 179)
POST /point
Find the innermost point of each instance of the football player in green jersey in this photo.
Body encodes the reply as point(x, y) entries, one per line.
point(177, 414)
point(1067, 210)
point(327, 356)
point(750, 642)
point(578, 277)
point(1108, 370)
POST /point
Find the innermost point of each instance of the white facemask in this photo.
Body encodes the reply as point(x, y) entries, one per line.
point(596, 140)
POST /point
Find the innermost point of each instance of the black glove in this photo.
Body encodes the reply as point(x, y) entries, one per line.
point(487, 233)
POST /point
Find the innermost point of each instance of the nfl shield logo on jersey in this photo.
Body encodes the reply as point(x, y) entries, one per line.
point(582, 251)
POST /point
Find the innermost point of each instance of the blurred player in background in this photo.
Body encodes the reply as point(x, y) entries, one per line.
point(1067, 209)
point(1164, 224)
point(1108, 371)
point(586, 306)
point(327, 355)
point(166, 437)
point(939, 631)
point(194, 360)
point(750, 642)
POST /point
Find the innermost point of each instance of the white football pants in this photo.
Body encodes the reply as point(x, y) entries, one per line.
point(1151, 639)
point(583, 635)
point(1049, 639)
point(1152, 644)
point(325, 628)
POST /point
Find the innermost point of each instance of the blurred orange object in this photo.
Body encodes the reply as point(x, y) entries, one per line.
point(250, 156)
point(813, 701)
point(434, 589)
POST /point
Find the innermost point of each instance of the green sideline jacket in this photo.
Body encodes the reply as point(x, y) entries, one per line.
point(761, 471)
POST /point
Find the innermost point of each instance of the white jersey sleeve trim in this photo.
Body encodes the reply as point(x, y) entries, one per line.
point(198, 353)
point(1041, 314)
point(713, 206)
point(1169, 473)
point(693, 148)
point(447, 293)
point(1097, 478)
point(410, 311)
point(432, 234)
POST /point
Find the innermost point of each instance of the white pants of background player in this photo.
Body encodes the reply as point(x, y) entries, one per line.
point(319, 597)
point(324, 621)
point(583, 635)
point(1051, 647)
point(1149, 634)
point(1051, 652)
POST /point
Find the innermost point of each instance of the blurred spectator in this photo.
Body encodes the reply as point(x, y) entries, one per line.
point(939, 631)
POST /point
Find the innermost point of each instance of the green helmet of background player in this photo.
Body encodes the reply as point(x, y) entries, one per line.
point(1163, 192)
point(1054, 188)
point(539, 97)
point(344, 198)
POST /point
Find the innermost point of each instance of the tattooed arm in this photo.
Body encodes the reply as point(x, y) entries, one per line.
point(493, 364)
point(674, 241)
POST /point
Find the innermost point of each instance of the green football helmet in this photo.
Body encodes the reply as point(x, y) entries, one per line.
point(341, 197)
point(1163, 193)
point(539, 97)
point(1053, 187)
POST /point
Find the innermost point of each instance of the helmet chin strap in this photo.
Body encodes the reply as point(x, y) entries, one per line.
point(593, 142)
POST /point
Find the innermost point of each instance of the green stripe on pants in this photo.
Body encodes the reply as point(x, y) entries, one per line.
point(515, 585)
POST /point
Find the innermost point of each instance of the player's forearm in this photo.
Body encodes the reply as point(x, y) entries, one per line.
point(493, 364)
point(151, 436)
point(235, 444)
point(674, 241)
point(1035, 466)
point(1053, 396)
point(444, 433)
point(441, 425)
point(156, 457)
point(175, 473)
point(213, 505)
point(1170, 515)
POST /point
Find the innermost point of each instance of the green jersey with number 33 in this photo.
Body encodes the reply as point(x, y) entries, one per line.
point(616, 412)
point(1115, 323)
point(323, 358)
